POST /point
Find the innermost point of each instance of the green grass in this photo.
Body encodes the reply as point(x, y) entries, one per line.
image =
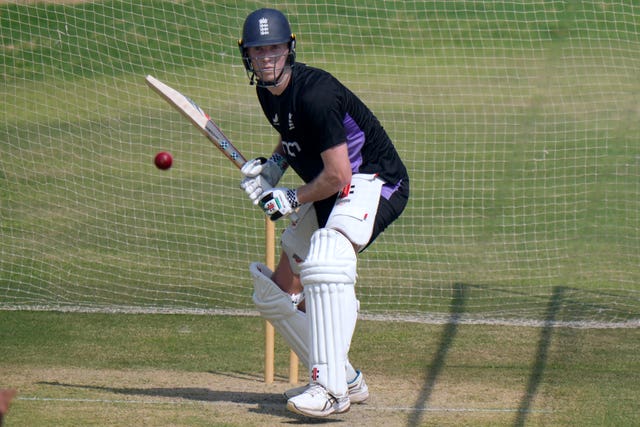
point(553, 376)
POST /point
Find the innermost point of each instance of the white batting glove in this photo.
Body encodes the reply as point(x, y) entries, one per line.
point(279, 202)
point(261, 175)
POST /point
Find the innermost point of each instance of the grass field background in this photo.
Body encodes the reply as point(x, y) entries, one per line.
point(519, 123)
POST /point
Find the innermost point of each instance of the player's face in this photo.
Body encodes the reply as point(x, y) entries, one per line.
point(269, 61)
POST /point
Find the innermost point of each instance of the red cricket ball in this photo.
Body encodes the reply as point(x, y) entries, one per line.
point(163, 160)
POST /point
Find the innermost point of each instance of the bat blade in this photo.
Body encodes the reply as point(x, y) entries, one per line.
point(198, 118)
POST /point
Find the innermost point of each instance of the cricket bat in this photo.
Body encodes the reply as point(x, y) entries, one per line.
point(199, 118)
point(203, 122)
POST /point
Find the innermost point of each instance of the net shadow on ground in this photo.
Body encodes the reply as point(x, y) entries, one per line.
point(578, 308)
point(541, 357)
point(434, 368)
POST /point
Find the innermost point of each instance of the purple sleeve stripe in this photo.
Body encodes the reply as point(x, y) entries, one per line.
point(355, 141)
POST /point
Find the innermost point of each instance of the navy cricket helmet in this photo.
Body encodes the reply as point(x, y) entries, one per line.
point(265, 27)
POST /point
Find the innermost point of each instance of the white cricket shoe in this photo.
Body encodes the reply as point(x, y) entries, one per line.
point(358, 390)
point(316, 401)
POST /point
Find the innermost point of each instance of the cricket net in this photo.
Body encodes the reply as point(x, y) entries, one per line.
point(519, 123)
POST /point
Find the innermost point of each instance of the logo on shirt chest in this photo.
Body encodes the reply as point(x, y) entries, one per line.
point(276, 121)
point(292, 148)
point(291, 125)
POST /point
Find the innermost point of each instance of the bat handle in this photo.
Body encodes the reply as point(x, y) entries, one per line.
point(294, 217)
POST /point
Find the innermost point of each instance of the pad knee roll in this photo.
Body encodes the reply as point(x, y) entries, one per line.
point(331, 259)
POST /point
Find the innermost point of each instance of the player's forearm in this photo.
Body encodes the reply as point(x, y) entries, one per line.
point(324, 185)
point(279, 149)
point(333, 178)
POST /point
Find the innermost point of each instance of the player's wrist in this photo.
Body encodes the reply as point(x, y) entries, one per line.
point(274, 168)
point(292, 197)
point(280, 162)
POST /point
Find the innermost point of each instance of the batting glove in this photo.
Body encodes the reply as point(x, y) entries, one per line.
point(261, 175)
point(279, 202)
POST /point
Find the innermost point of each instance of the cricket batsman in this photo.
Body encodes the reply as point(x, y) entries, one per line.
point(355, 186)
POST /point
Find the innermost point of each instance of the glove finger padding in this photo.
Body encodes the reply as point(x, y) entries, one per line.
point(261, 175)
point(270, 170)
point(253, 167)
point(255, 187)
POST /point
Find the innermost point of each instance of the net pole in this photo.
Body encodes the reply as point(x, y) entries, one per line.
point(269, 332)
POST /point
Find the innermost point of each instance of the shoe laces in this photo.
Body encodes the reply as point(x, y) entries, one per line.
point(316, 389)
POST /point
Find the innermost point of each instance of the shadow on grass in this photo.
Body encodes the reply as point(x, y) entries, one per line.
point(264, 403)
point(449, 332)
point(541, 357)
point(448, 335)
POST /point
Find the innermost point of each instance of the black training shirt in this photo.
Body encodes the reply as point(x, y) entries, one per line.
point(317, 112)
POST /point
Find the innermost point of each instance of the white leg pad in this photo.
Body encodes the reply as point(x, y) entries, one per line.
point(278, 308)
point(328, 276)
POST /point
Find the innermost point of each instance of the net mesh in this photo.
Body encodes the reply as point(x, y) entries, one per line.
point(518, 122)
